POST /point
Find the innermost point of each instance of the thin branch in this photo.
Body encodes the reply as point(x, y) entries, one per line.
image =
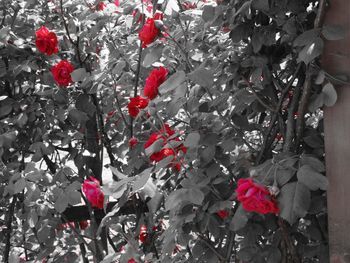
point(211, 247)
point(9, 218)
point(266, 143)
point(258, 97)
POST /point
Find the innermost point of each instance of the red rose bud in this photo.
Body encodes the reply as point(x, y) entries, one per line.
point(143, 234)
point(255, 198)
point(101, 6)
point(223, 214)
point(93, 192)
point(61, 73)
point(136, 104)
point(154, 80)
point(46, 41)
point(132, 142)
point(83, 224)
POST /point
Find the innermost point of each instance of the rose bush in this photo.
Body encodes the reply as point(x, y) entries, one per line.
point(232, 93)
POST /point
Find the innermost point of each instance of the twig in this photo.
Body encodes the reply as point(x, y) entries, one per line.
point(275, 115)
point(288, 241)
point(137, 76)
point(9, 229)
point(258, 97)
point(211, 247)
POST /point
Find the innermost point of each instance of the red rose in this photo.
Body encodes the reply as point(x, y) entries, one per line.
point(46, 41)
point(166, 135)
point(223, 214)
point(93, 193)
point(154, 80)
point(255, 198)
point(143, 234)
point(83, 224)
point(101, 6)
point(132, 260)
point(136, 104)
point(61, 73)
point(132, 142)
point(116, 2)
point(149, 31)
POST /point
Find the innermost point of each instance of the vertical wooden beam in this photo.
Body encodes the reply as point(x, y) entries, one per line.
point(336, 60)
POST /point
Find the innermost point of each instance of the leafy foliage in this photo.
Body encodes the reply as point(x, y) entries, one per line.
point(243, 96)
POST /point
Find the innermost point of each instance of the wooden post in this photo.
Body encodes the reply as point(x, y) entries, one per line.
point(336, 61)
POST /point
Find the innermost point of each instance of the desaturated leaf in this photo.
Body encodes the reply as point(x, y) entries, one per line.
point(192, 140)
point(330, 95)
point(74, 197)
point(142, 179)
point(84, 104)
point(240, 219)
point(333, 32)
point(208, 13)
point(311, 51)
point(294, 201)
point(19, 185)
point(173, 82)
point(262, 5)
point(79, 74)
point(32, 218)
point(153, 54)
point(61, 203)
point(312, 178)
point(312, 161)
point(316, 102)
point(202, 77)
point(194, 196)
point(306, 38)
point(154, 147)
point(118, 174)
point(155, 202)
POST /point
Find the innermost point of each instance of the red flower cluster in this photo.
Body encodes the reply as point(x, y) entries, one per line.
point(154, 80)
point(136, 104)
point(143, 234)
point(61, 73)
point(255, 198)
point(166, 134)
point(92, 191)
point(223, 214)
point(46, 41)
point(149, 31)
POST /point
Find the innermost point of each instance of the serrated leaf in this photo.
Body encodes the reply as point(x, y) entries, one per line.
point(330, 95)
point(312, 178)
point(172, 82)
point(333, 32)
point(192, 140)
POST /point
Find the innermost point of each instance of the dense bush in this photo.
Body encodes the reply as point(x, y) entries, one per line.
point(206, 112)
